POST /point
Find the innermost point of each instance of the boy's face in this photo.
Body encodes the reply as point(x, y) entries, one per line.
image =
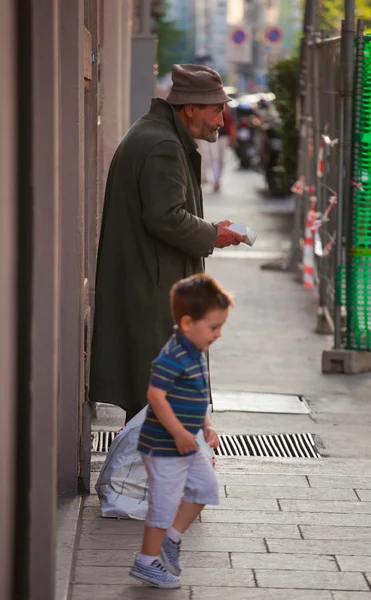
point(204, 332)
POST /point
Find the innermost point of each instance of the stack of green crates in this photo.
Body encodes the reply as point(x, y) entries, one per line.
point(358, 272)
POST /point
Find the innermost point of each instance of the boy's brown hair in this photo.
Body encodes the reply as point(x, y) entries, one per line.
point(196, 296)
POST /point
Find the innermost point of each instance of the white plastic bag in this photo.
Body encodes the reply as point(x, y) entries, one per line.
point(122, 483)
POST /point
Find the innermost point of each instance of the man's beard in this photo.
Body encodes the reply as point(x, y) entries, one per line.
point(212, 135)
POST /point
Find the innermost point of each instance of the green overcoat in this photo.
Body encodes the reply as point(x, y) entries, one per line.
point(153, 234)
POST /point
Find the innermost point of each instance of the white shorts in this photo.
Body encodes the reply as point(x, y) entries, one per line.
point(171, 479)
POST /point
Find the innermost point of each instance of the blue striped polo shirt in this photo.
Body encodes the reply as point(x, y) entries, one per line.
point(180, 370)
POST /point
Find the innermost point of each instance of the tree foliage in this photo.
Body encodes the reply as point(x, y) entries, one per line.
point(331, 13)
point(283, 82)
point(171, 42)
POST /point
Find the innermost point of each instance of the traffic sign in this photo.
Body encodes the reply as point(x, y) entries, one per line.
point(239, 36)
point(274, 35)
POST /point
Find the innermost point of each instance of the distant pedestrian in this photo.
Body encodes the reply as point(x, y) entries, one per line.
point(181, 479)
point(217, 151)
point(153, 233)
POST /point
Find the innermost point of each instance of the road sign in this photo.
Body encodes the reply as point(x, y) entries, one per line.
point(274, 35)
point(239, 36)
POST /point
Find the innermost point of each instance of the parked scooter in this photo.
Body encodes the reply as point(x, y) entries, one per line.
point(245, 129)
point(268, 146)
point(272, 149)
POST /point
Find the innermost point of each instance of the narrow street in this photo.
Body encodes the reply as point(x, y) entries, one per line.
point(287, 528)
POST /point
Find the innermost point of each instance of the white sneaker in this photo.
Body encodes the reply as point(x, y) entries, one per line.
point(155, 574)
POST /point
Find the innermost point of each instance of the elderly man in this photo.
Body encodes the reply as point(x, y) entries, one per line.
point(153, 233)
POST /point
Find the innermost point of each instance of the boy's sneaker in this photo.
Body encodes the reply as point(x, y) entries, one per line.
point(170, 553)
point(155, 574)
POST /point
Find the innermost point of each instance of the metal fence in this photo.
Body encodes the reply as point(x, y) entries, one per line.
point(332, 221)
point(325, 107)
point(318, 181)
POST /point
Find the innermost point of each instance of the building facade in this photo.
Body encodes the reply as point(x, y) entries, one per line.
point(65, 105)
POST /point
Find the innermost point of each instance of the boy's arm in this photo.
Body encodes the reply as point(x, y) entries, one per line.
point(210, 434)
point(208, 422)
point(184, 440)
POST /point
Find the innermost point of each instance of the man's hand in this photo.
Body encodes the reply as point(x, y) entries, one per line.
point(185, 442)
point(226, 237)
point(211, 437)
point(224, 223)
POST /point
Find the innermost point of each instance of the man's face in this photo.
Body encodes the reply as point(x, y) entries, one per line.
point(204, 123)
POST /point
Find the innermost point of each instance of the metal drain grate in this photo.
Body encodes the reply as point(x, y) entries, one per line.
point(101, 440)
point(283, 445)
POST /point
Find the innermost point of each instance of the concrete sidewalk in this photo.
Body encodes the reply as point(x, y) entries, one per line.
point(298, 530)
point(286, 529)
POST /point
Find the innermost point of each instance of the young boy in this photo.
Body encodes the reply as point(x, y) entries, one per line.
point(181, 479)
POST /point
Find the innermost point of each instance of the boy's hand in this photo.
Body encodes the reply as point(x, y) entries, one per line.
point(185, 442)
point(211, 437)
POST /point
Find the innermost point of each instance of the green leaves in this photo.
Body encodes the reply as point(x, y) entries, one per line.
point(331, 13)
point(283, 82)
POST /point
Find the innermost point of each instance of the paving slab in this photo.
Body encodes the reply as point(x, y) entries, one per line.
point(364, 495)
point(127, 592)
point(218, 578)
point(354, 563)
point(260, 403)
point(268, 504)
point(245, 530)
point(325, 507)
point(289, 466)
point(263, 479)
point(320, 546)
point(297, 493)
point(286, 518)
point(219, 593)
point(125, 558)
point(115, 542)
point(67, 525)
point(320, 580)
point(112, 526)
point(193, 576)
point(91, 501)
point(290, 562)
point(351, 595)
point(340, 481)
point(336, 533)
point(104, 576)
point(206, 543)
point(223, 544)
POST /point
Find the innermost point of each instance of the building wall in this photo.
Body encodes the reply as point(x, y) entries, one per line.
point(219, 35)
point(8, 215)
point(51, 152)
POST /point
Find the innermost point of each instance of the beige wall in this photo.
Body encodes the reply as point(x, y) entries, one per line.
point(71, 228)
point(45, 297)
point(60, 185)
point(115, 60)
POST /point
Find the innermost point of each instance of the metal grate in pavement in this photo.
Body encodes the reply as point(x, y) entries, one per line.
point(283, 445)
point(101, 440)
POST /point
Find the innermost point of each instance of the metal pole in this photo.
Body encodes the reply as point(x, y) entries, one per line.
point(339, 214)
point(345, 149)
point(348, 68)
